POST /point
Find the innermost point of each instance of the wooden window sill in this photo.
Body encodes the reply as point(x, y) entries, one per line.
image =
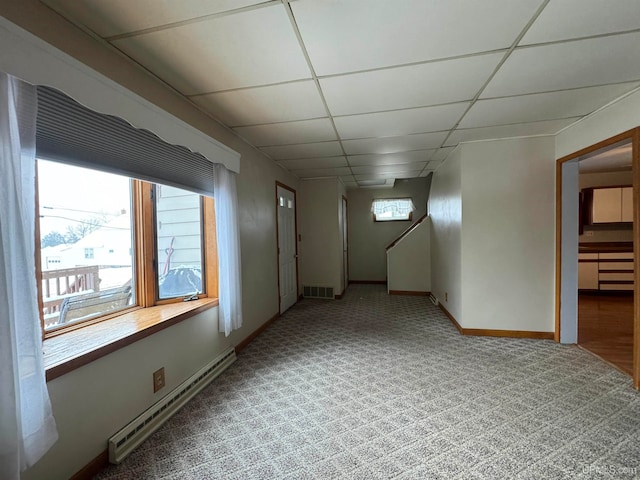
point(64, 353)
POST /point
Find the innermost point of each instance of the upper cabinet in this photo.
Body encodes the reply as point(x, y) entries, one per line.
point(612, 205)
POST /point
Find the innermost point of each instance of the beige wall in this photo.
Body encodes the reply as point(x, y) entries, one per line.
point(409, 261)
point(93, 402)
point(445, 210)
point(508, 234)
point(320, 228)
point(368, 239)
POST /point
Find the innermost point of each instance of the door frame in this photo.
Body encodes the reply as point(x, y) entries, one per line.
point(295, 218)
point(345, 246)
point(634, 136)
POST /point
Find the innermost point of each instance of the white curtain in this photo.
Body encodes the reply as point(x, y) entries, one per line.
point(227, 232)
point(27, 427)
point(398, 206)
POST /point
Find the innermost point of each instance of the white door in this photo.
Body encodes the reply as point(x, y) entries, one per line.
point(287, 258)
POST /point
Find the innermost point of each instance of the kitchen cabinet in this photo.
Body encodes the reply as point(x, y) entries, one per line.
point(612, 205)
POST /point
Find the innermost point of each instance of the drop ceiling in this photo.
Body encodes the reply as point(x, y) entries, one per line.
point(374, 90)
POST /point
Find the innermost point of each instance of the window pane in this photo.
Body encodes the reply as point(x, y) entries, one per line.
point(178, 242)
point(85, 240)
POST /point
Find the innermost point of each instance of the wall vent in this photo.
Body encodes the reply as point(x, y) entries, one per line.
point(317, 292)
point(433, 299)
point(127, 439)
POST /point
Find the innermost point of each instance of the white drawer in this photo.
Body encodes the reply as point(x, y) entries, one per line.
point(616, 266)
point(616, 276)
point(616, 255)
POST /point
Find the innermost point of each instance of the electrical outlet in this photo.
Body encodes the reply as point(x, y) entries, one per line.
point(158, 380)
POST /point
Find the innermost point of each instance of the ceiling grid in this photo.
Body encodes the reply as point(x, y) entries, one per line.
point(372, 90)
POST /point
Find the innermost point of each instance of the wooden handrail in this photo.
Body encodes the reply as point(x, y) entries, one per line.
point(407, 231)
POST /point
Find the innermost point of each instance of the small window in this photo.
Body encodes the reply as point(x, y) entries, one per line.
point(179, 235)
point(392, 209)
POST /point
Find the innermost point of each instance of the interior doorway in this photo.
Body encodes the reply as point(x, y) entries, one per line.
point(345, 245)
point(597, 251)
point(286, 232)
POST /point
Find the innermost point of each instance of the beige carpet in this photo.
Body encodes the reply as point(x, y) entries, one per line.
point(377, 386)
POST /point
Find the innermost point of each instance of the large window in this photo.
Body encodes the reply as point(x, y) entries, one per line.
point(110, 244)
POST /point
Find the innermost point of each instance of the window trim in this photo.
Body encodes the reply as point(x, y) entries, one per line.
point(145, 265)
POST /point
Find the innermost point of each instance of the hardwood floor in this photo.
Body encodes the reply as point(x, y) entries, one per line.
point(605, 327)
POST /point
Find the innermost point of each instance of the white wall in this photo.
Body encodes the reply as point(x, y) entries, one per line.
point(409, 261)
point(508, 240)
point(94, 401)
point(608, 122)
point(319, 226)
point(445, 210)
point(368, 239)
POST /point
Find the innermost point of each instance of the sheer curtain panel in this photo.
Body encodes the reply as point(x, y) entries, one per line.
point(27, 427)
point(227, 232)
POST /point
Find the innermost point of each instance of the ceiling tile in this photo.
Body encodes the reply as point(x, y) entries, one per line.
point(322, 172)
point(383, 169)
point(366, 177)
point(348, 179)
point(391, 159)
point(303, 150)
point(352, 35)
point(115, 17)
point(274, 103)
point(288, 133)
point(439, 156)
point(411, 86)
point(400, 122)
point(549, 127)
point(562, 20)
point(308, 163)
point(581, 63)
point(251, 48)
point(542, 106)
point(416, 141)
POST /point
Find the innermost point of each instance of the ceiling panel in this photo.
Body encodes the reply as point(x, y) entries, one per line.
point(304, 150)
point(542, 106)
point(309, 163)
point(562, 20)
point(374, 177)
point(275, 103)
point(400, 122)
point(251, 48)
point(549, 127)
point(392, 169)
point(391, 159)
point(439, 156)
point(581, 63)
point(416, 85)
point(416, 141)
point(289, 133)
point(115, 17)
point(322, 172)
point(350, 35)
point(348, 179)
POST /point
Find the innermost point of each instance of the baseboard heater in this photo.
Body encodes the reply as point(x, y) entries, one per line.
point(127, 439)
point(317, 292)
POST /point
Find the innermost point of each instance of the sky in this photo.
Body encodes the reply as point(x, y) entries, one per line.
point(77, 194)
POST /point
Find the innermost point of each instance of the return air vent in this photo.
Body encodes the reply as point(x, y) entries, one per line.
point(317, 292)
point(123, 442)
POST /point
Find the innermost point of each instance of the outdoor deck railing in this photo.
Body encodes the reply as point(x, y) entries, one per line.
point(63, 283)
